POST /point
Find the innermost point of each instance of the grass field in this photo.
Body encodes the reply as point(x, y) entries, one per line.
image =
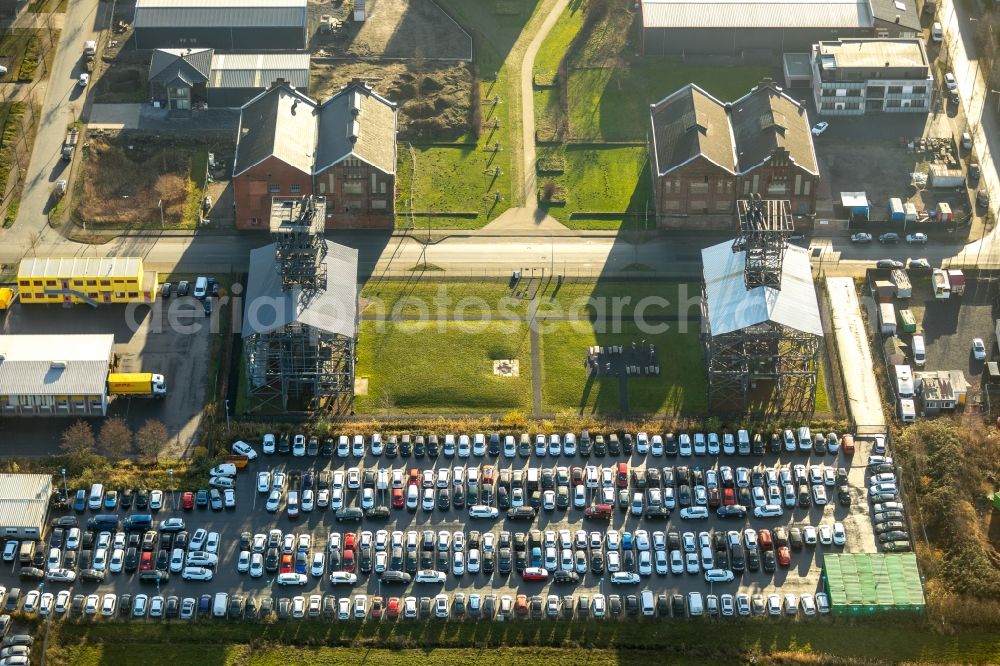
point(612, 103)
point(680, 388)
point(552, 50)
point(603, 180)
point(431, 367)
point(868, 640)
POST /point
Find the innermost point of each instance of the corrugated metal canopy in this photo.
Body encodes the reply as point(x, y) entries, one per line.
point(24, 500)
point(756, 14)
point(732, 307)
point(80, 267)
point(334, 310)
point(888, 580)
point(259, 70)
point(54, 364)
point(219, 13)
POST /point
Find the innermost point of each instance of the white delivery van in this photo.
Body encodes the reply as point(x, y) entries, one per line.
point(919, 351)
point(96, 497)
point(221, 604)
point(201, 287)
point(648, 608)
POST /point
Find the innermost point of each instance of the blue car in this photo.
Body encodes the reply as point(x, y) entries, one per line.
point(80, 503)
point(626, 541)
point(111, 500)
point(300, 562)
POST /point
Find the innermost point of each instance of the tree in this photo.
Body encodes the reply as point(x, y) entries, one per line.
point(150, 439)
point(115, 439)
point(78, 440)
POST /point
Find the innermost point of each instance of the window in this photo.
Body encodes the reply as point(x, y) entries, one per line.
point(382, 187)
point(91, 283)
point(254, 221)
point(919, 90)
point(133, 294)
point(353, 205)
point(105, 283)
point(274, 189)
point(671, 204)
point(777, 186)
point(756, 183)
point(38, 283)
point(378, 204)
point(48, 283)
point(895, 90)
point(697, 205)
point(322, 187)
point(806, 187)
point(722, 205)
point(354, 187)
point(841, 92)
point(698, 188)
point(892, 104)
point(798, 183)
point(295, 188)
point(746, 187)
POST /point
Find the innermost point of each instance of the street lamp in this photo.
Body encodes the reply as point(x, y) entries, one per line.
point(227, 415)
point(170, 475)
point(65, 490)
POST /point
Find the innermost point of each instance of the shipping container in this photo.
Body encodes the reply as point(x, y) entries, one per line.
point(909, 212)
point(904, 381)
point(902, 281)
point(907, 410)
point(944, 213)
point(956, 280)
point(884, 291)
point(940, 284)
point(907, 322)
point(941, 176)
point(896, 210)
point(887, 317)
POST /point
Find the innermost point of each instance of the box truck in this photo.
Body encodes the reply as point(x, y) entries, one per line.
point(137, 384)
point(887, 317)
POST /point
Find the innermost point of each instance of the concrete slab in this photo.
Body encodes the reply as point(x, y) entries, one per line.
point(114, 116)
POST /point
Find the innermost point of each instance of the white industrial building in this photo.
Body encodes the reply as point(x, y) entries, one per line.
point(54, 375)
point(24, 505)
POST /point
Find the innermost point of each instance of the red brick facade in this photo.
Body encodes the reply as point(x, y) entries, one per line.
point(358, 196)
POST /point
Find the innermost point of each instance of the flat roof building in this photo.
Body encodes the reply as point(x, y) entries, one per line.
point(54, 375)
point(24, 505)
point(855, 76)
point(736, 27)
point(91, 280)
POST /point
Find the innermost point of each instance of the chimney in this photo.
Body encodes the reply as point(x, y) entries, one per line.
point(897, 18)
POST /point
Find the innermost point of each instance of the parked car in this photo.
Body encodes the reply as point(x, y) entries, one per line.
point(861, 238)
point(819, 128)
point(918, 238)
point(889, 237)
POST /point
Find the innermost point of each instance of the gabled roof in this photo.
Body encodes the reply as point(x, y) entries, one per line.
point(687, 124)
point(192, 65)
point(733, 307)
point(357, 123)
point(332, 310)
point(737, 136)
point(766, 119)
point(279, 122)
point(891, 10)
point(287, 124)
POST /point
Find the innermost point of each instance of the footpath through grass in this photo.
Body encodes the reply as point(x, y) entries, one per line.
point(628, 642)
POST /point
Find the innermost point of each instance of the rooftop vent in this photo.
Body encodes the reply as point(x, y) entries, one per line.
point(58, 365)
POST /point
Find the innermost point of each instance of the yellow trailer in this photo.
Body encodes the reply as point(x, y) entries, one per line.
point(137, 384)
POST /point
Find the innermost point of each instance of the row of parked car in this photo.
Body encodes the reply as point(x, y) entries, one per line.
point(554, 444)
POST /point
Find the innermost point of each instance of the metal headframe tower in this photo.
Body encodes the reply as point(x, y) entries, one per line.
point(300, 363)
point(768, 368)
point(765, 225)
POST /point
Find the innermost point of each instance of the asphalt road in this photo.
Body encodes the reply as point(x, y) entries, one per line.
point(803, 576)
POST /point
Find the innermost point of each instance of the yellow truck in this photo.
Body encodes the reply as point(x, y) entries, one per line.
point(137, 384)
point(6, 297)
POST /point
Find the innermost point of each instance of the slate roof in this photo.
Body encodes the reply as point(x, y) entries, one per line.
point(687, 124)
point(736, 136)
point(334, 310)
point(312, 137)
point(733, 307)
point(191, 65)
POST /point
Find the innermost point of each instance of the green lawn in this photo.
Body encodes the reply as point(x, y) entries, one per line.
point(552, 50)
point(603, 180)
point(680, 388)
point(547, 114)
point(613, 103)
point(429, 367)
point(451, 180)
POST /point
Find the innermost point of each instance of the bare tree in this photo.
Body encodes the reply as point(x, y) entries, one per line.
point(78, 440)
point(115, 439)
point(150, 438)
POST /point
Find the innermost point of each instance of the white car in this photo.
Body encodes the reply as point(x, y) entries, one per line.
point(292, 579)
point(656, 448)
point(308, 500)
point(949, 81)
point(177, 560)
point(243, 449)
point(642, 443)
point(256, 565)
point(358, 447)
point(83, 80)
point(839, 534)
point(273, 501)
point(555, 445)
point(376, 445)
point(343, 578)
point(299, 446)
point(243, 562)
point(317, 567)
point(719, 576)
point(155, 500)
point(197, 573)
point(819, 128)
point(479, 445)
point(978, 349)
point(278, 480)
point(268, 444)
point(263, 482)
point(509, 446)
point(696, 512)
point(768, 511)
point(139, 605)
point(430, 576)
point(483, 511)
point(569, 444)
point(108, 604)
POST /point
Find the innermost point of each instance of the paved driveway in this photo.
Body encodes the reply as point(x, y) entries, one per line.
point(115, 116)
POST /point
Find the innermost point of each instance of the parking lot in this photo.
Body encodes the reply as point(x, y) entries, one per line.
point(593, 554)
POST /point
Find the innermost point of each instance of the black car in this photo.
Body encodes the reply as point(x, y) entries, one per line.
point(738, 560)
point(125, 605)
point(96, 576)
point(419, 447)
point(271, 560)
point(631, 605)
point(757, 445)
point(683, 475)
point(753, 560)
point(56, 537)
point(653, 477)
point(597, 562)
point(380, 512)
point(13, 599)
point(769, 563)
point(141, 500)
point(433, 448)
point(670, 447)
point(284, 444)
point(312, 446)
point(31, 573)
point(493, 446)
point(585, 446)
point(627, 444)
point(443, 499)
point(504, 561)
point(614, 446)
point(735, 511)
point(163, 560)
point(656, 513)
point(521, 513)
point(405, 447)
point(843, 496)
point(126, 499)
point(396, 578)
point(391, 448)
point(131, 559)
point(677, 605)
point(567, 577)
point(173, 606)
point(349, 514)
point(600, 447)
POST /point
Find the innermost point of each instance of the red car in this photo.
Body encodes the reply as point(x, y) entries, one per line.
point(521, 604)
point(350, 540)
point(392, 610)
point(714, 499)
point(146, 563)
point(728, 497)
point(598, 512)
point(414, 479)
point(487, 475)
point(784, 557)
point(187, 500)
point(377, 607)
point(286, 563)
point(349, 560)
point(764, 540)
point(622, 477)
point(398, 500)
point(576, 476)
point(535, 574)
point(847, 444)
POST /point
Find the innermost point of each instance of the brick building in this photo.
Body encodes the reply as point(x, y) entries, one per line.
point(343, 149)
point(706, 153)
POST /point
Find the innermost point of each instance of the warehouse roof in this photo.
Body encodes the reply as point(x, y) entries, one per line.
point(219, 13)
point(737, 136)
point(284, 122)
point(732, 307)
point(756, 14)
point(871, 53)
point(24, 500)
point(259, 70)
point(334, 309)
point(54, 364)
point(79, 267)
